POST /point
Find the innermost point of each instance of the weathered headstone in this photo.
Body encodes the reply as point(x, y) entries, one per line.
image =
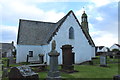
point(111, 56)
point(117, 56)
point(5, 72)
point(41, 58)
point(11, 60)
point(8, 62)
point(22, 73)
point(116, 77)
point(67, 58)
point(27, 58)
point(0, 55)
point(103, 60)
point(90, 62)
point(53, 73)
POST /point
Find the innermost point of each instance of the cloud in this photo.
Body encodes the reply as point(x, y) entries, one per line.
point(103, 38)
point(99, 3)
point(8, 33)
point(16, 10)
point(99, 18)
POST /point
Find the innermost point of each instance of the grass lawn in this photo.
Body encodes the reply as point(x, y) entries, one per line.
point(88, 71)
point(91, 71)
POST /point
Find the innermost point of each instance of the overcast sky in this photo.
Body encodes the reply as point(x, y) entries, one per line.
point(102, 16)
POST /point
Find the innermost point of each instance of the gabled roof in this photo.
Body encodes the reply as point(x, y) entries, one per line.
point(41, 33)
point(100, 47)
point(4, 47)
point(117, 45)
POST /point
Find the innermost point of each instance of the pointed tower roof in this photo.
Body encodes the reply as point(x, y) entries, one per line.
point(84, 15)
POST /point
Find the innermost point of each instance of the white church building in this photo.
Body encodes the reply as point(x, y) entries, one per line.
point(35, 37)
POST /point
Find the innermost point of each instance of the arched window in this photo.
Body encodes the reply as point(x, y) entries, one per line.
point(71, 33)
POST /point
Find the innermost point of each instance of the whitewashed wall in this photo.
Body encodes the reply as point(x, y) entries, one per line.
point(92, 52)
point(23, 50)
point(83, 51)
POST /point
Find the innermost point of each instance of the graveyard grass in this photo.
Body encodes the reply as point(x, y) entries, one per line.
point(91, 71)
point(85, 70)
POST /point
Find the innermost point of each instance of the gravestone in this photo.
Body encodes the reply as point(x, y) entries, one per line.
point(73, 58)
point(67, 58)
point(8, 62)
point(27, 58)
point(22, 73)
point(53, 73)
point(116, 77)
point(90, 62)
point(0, 55)
point(117, 56)
point(11, 60)
point(5, 72)
point(41, 58)
point(103, 60)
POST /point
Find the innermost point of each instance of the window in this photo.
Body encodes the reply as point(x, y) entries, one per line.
point(30, 53)
point(71, 33)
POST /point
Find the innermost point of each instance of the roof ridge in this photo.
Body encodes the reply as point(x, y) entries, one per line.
point(55, 27)
point(87, 35)
point(36, 21)
point(117, 45)
point(58, 24)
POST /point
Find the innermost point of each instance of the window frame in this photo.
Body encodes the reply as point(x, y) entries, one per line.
point(30, 53)
point(71, 33)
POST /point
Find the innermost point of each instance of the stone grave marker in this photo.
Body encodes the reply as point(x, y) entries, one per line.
point(53, 73)
point(8, 62)
point(5, 72)
point(67, 58)
point(11, 60)
point(116, 77)
point(117, 56)
point(27, 58)
point(41, 58)
point(103, 60)
point(90, 62)
point(22, 73)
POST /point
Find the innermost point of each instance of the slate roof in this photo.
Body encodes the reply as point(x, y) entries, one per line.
point(40, 33)
point(4, 47)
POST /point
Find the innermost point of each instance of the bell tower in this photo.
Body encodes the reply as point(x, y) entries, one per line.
point(84, 22)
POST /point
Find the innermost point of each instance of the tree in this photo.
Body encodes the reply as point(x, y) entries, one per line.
point(115, 50)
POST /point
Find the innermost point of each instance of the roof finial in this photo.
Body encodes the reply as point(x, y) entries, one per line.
point(83, 9)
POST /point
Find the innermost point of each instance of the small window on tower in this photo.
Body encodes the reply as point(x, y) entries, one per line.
point(71, 33)
point(30, 53)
